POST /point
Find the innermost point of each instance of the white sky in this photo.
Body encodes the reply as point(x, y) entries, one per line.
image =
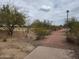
point(53, 10)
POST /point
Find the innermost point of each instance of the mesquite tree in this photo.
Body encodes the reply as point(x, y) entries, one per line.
point(10, 17)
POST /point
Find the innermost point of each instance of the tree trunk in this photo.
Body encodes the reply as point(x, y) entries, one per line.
point(10, 30)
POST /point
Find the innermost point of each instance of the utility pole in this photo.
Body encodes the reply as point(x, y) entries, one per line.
point(67, 15)
point(67, 22)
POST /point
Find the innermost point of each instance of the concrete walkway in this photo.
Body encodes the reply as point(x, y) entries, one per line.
point(49, 53)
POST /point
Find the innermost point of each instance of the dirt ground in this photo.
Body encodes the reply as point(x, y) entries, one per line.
point(16, 47)
point(14, 50)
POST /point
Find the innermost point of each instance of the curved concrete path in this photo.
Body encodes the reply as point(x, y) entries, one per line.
point(49, 53)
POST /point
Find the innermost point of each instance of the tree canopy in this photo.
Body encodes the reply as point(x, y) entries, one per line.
point(10, 17)
point(42, 24)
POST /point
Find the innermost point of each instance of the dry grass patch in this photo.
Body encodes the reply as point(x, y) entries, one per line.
point(15, 50)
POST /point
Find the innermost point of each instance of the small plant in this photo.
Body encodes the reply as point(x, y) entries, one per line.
point(4, 40)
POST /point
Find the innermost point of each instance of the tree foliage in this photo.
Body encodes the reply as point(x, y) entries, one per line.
point(42, 24)
point(10, 17)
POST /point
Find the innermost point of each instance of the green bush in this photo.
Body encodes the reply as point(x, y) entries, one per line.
point(41, 28)
point(73, 33)
point(41, 32)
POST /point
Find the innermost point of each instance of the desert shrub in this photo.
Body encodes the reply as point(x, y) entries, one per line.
point(41, 28)
point(41, 32)
point(5, 40)
point(73, 33)
point(69, 38)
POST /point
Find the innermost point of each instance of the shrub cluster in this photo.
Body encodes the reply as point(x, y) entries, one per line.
point(41, 29)
point(73, 32)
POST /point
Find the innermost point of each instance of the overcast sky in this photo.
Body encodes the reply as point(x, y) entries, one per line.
point(53, 10)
